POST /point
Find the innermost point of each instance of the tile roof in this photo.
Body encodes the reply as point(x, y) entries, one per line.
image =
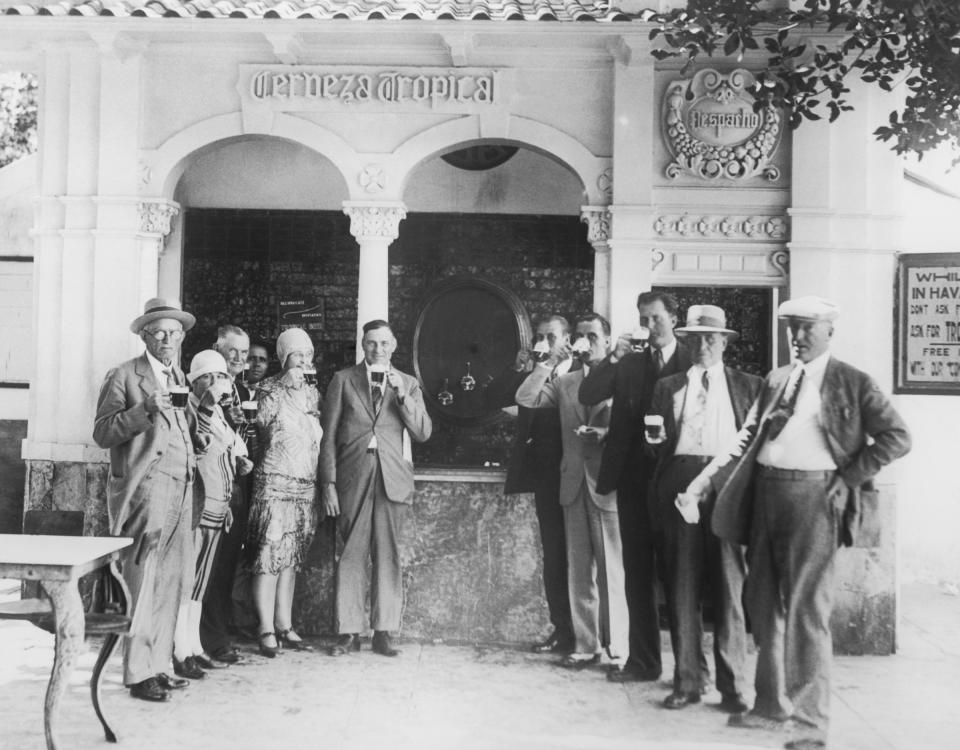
point(354, 10)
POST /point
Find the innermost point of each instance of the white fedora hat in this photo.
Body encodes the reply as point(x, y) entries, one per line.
point(159, 307)
point(706, 319)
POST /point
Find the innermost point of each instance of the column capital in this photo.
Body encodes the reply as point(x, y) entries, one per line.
point(597, 219)
point(156, 214)
point(375, 220)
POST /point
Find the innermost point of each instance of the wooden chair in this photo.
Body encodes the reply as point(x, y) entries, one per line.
point(109, 600)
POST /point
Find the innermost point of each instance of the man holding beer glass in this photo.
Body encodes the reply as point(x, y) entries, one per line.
point(701, 411)
point(535, 467)
point(141, 417)
point(233, 344)
point(629, 376)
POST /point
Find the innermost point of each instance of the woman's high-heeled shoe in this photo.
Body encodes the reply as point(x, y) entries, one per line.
point(268, 651)
point(283, 638)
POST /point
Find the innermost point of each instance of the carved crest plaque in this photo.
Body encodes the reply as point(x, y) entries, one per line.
point(712, 131)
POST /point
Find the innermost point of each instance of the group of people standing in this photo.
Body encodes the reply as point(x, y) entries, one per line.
point(651, 461)
point(182, 449)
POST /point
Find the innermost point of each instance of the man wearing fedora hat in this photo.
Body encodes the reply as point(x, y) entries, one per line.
point(795, 485)
point(149, 495)
point(702, 410)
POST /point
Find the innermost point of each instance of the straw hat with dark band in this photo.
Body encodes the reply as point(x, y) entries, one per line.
point(158, 308)
point(706, 319)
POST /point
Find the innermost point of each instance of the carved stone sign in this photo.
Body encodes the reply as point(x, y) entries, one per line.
point(712, 131)
point(928, 323)
point(331, 87)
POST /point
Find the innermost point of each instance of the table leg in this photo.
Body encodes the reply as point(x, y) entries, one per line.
point(68, 618)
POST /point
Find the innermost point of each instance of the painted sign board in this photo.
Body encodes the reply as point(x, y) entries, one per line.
point(927, 357)
point(302, 312)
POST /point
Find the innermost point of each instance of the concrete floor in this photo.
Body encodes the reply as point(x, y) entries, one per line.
point(447, 697)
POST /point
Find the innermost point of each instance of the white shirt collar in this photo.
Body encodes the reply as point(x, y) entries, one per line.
point(816, 367)
point(159, 369)
point(667, 351)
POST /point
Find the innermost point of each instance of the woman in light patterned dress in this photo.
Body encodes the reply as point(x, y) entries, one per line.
point(283, 514)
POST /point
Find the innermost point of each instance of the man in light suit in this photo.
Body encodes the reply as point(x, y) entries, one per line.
point(702, 410)
point(598, 603)
point(796, 485)
point(367, 481)
point(629, 376)
point(150, 491)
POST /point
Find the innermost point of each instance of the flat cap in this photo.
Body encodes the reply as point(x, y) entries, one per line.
point(809, 308)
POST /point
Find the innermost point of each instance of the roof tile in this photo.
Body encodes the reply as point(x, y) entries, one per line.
point(354, 10)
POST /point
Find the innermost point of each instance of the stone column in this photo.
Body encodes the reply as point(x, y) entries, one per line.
point(597, 219)
point(631, 236)
point(375, 225)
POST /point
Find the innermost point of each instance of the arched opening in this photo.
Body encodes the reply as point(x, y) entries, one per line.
point(261, 225)
point(507, 217)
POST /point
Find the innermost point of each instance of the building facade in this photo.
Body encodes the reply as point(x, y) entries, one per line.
point(361, 161)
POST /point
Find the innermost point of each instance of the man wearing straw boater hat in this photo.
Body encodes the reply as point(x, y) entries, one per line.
point(142, 419)
point(702, 410)
point(795, 485)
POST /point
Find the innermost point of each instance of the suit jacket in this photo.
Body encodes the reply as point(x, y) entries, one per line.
point(669, 401)
point(863, 432)
point(630, 382)
point(349, 422)
point(136, 440)
point(537, 448)
point(580, 460)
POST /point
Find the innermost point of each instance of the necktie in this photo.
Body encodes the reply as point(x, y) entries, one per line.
point(783, 412)
point(170, 379)
point(658, 359)
point(698, 420)
point(377, 398)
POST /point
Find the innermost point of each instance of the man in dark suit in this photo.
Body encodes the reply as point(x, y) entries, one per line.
point(150, 492)
point(797, 484)
point(367, 480)
point(629, 376)
point(535, 467)
point(702, 410)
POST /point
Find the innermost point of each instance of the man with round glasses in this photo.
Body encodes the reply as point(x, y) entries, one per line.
point(149, 495)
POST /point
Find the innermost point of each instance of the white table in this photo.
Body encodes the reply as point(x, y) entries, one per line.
point(58, 562)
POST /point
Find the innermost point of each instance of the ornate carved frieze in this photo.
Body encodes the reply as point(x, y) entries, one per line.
point(597, 219)
point(375, 221)
point(733, 227)
point(156, 215)
point(712, 131)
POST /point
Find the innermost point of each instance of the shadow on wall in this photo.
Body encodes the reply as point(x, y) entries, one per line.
point(12, 475)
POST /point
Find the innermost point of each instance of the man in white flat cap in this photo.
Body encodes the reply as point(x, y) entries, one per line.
point(702, 409)
point(798, 484)
point(150, 491)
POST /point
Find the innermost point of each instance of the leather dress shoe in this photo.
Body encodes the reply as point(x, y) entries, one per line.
point(265, 648)
point(554, 644)
point(733, 703)
point(283, 638)
point(753, 720)
point(205, 661)
point(149, 690)
point(631, 673)
point(578, 661)
point(678, 699)
point(225, 655)
point(171, 683)
point(188, 668)
point(345, 644)
point(382, 644)
point(805, 743)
